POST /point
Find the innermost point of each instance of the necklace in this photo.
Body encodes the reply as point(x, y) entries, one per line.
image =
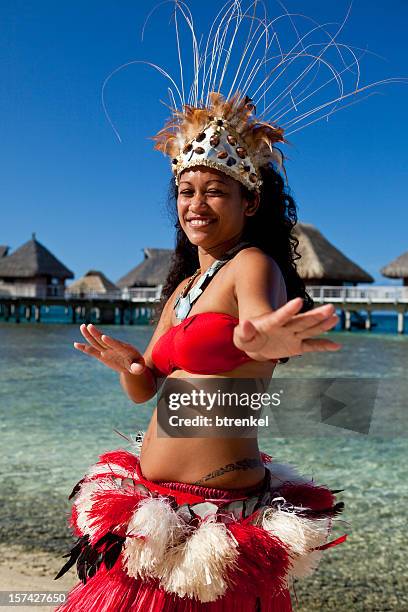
point(189, 295)
point(189, 282)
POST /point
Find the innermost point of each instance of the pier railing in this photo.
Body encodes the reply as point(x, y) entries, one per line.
point(139, 302)
point(366, 295)
point(136, 294)
point(320, 293)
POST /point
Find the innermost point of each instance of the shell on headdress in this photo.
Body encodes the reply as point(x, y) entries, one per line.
point(214, 140)
point(222, 155)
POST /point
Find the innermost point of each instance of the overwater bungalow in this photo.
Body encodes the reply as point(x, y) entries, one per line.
point(93, 282)
point(398, 268)
point(95, 287)
point(321, 263)
point(151, 272)
point(32, 271)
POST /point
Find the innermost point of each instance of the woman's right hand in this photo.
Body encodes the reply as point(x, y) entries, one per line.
point(115, 354)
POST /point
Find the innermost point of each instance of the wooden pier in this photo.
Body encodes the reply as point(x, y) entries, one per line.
point(350, 300)
point(138, 304)
point(128, 306)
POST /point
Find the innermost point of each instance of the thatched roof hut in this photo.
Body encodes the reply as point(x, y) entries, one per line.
point(93, 281)
point(321, 263)
point(398, 268)
point(151, 272)
point(33, 260)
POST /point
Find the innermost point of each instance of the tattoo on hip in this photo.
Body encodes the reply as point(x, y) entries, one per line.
point(242, 464)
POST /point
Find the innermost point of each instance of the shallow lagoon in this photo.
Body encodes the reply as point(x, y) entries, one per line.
point(59, 411)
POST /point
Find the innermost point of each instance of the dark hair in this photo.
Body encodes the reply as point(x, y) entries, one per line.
point(270, 229)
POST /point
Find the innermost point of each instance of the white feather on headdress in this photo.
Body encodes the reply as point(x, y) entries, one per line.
point(295, 70)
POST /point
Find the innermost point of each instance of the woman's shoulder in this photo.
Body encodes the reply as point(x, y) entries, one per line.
point(256, 269)
point(252, 257)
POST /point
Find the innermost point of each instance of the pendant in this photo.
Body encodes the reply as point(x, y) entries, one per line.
point(183, 304)
point(183, 307)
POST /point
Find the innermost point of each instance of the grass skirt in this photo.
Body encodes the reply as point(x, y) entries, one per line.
point(167, 546)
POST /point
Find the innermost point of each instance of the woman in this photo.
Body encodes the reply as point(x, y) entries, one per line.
point(208, 523)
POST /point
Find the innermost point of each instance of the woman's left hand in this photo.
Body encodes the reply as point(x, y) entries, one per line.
point(284, 333)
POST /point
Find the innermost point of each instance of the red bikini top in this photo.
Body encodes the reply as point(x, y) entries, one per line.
point(200, 344)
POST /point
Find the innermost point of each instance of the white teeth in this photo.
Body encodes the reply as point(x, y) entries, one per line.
point(200, 221)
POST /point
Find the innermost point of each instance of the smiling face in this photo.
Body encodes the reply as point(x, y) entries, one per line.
point(211, 207)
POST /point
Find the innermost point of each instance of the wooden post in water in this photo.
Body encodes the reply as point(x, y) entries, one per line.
point(400, 325)
point(6, 312)
point(347, 324)
point(28, 312)
point(107, 314)
point(37, 313)
point(74, 314)
point(87, 315)
point(368, 320)
point(131, 315)
point(17, 312)
point(121, 315)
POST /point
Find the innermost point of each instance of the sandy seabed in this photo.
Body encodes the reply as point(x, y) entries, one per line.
point(330, 589)
point(21, 570)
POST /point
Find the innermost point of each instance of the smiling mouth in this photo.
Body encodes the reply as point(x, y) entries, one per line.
point(200, 222)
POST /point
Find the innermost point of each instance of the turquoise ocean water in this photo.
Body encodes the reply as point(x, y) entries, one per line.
point(59, 409)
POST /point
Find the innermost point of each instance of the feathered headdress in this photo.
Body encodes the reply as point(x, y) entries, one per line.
point(224, 135)
point(293, 85)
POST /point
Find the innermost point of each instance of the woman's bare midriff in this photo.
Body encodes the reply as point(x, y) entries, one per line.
point(213, 462)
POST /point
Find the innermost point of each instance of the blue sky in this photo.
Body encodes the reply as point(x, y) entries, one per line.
point(96, 202)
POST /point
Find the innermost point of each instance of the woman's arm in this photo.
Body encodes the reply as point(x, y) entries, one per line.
point(139, 387)
point(142, 387)
point(259, 283)
point(269, 328)
point(137, 373)
point(138, 379)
